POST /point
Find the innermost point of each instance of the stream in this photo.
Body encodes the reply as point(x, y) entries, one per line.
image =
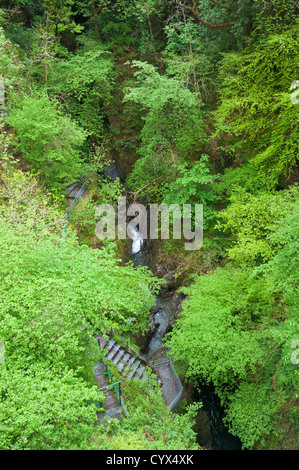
point(211, 432)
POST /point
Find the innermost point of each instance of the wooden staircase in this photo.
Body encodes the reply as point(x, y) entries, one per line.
point(126, 363)
point(112, 405)
point(132, 366)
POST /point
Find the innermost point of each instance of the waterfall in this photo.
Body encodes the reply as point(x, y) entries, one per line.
point(137, 240)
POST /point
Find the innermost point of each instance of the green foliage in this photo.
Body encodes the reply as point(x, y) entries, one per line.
point(60, 15)
point(186, 59)
point(233, 333)
point(273, 16)
point(215, 333)
point(65, 92)
point(84, 81)
point(238, 325)
point(284, 266)
point(76, 277)
point(147, 17)
point(255, 99)
point(45, 409)
point(181, 37)
point(5, 142)
point(11, 68)
point(49, 140)
point(251, 220)
point(172, 125)
point(193, 185)
point(100, 191)
point(252, 414)
point(75, 273)
point(162, 429)
point(83, 219)
point(24, 201)
point(223, 24)
point(260, 410)
point(42, 55)
point(172, 122)
point(54, 295)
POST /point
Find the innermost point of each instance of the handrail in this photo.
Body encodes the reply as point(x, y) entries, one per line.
point(76, 199)
point(118, 392)
point(74, 204)
point(179, 385)
point(129, 345)
point(158, 362)
point(97, 403)
point(127, 342)
point(168, 361)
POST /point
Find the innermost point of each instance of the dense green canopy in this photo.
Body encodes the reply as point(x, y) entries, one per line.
point(196, 101)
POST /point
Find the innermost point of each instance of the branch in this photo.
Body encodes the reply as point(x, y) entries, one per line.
point(95, 12)
point(135, 194)
point(222, 6)
point(196, 13)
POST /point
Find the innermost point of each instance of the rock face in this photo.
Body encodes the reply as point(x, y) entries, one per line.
point(113, 171)
point(163, 314)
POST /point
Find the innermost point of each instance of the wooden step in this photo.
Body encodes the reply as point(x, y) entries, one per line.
point(113, 352)
point(139, 371)
point(123, 362)
point(108, 345)
point(132, 371)
point(129, 364)
point(114, 412)
point(144, 377)
point(118, 356)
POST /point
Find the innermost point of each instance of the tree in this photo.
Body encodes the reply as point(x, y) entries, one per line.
point(90, 288)
point(107, 16)
point(25, 202)
point(193, 186)
point(43, 408)
point(186, 58)
point(49, 140)
point(193, 8)
point(83, 83)
point(172, 124)
point(215, 335)
point(59, 15)
point(252, 220)
point(224, 25)
point(255, 99)
point(54, 295)
point(11, 70)
point(233, 333)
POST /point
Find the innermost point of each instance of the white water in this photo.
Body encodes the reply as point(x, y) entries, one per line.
point(137, 240)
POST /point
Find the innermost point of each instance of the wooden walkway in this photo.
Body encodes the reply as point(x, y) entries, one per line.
point(112, 406)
